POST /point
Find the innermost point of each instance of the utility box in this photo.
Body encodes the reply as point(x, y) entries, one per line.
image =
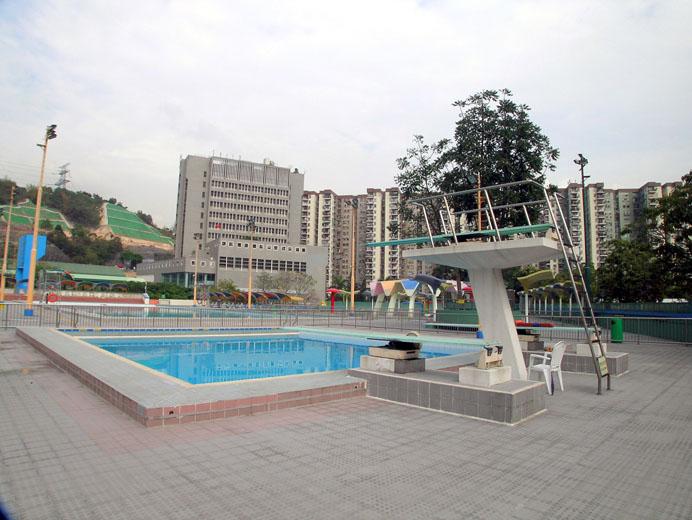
point(616, 330)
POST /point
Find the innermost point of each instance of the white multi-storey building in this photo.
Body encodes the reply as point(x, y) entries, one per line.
point(326, 220)
point(609, 213)
point(233, 215)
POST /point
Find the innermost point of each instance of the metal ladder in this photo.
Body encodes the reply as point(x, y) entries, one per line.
point(588, 318)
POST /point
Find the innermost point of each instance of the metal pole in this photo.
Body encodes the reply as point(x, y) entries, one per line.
point(251, 225)
point(353, 260)
point(50, 134)
point(427, 223)
point(583, 161)
point(7, 246)
point(480, 215)
point(194, 285)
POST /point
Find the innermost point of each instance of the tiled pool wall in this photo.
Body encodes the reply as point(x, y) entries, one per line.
point(209, 411)
point(194, 411)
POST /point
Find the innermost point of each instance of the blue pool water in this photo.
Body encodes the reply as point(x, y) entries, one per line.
point(201, 359)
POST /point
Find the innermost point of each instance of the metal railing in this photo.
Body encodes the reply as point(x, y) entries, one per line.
point(104, 316)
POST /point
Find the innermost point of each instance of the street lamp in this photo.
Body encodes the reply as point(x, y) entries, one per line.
point(197, 237)
point(583, 161)
point(251, 227)
point(29, 311)
point(354, 205)
point(13, 191)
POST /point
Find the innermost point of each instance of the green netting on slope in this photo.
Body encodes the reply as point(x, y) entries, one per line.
point(130, 224)
point(29, 210)
point(131, 233)
point(20, 220)
point(24, 216)
point(125, 223)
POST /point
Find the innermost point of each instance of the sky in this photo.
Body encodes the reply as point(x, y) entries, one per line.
point(337, 90)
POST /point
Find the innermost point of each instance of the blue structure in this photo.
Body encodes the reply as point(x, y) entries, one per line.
point(24, 259)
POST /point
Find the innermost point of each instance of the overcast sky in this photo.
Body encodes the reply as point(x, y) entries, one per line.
point(336, 90)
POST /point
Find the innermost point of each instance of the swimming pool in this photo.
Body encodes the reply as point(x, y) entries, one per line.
point(213, 359)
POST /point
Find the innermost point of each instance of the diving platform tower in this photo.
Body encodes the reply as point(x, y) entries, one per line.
point(488, 249)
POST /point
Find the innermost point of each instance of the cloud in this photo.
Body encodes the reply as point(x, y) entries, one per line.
point(335, 90)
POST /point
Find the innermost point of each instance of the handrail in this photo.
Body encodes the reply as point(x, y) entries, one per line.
point(476, 190)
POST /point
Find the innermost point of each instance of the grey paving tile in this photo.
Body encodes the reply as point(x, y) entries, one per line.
point(624, 454)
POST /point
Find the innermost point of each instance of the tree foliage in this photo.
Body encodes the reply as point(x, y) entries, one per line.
point(339, 282)
point(131, 258)
point(629, 274)
point(158, 290)
point(227, 285)
point(495, 142)
point(85, 248)
point(291, 282)
point(671, 236)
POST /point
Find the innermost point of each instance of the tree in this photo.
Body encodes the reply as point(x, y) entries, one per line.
point(265, 281)
point(227, 285)
point(496, 142)
point(339, 282)
point(302, 284)
point(421, 172)
point(131, 257)
point(146, 218)
point(670, 231)
point(630, 274)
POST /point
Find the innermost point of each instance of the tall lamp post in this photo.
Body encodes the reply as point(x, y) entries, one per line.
point(29, 311)
point(7, 246)
point(354, 206)
point(251, 227)
point(197, 237)
point(583, 161)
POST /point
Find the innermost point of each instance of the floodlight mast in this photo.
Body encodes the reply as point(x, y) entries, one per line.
point(29, 311)
point(13, 192)
point(354, 205)
point(583, 161)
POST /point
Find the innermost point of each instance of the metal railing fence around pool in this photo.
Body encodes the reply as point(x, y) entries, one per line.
point(105, 316)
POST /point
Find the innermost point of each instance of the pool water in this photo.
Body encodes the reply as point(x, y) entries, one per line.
point(200, 359)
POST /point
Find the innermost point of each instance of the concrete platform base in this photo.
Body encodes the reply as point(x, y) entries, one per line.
point(484, 377)
point(534, 346)
point(396, 366)
point(507, 403)
point(618, 363)
point(582, 349)
point(392, 353)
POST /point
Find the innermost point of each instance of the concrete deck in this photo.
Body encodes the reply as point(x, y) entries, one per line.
point(67, 453)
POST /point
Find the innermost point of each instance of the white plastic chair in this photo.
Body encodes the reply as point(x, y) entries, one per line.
point(551, 362)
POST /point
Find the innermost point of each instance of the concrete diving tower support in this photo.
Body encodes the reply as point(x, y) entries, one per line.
point(484, 262)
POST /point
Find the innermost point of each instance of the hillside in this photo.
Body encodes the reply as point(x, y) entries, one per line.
point(83, 228)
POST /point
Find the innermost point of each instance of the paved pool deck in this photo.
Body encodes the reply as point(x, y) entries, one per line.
point(67, 453)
